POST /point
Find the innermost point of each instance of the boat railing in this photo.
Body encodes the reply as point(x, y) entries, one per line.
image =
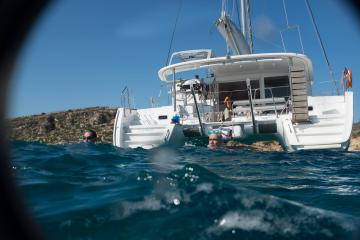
point(268, 103)
point(125, 99)
point(262, 106)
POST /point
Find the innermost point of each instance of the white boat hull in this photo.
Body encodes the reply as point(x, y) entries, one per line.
point(329, 127)
point(143, 128)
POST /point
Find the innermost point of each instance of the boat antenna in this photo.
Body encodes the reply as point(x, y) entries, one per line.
point(322, 45)
point(173, 32)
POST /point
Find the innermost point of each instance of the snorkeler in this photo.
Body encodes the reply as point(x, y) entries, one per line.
point(215, 141)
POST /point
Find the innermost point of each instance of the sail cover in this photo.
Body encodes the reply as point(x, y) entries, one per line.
point(232, 35)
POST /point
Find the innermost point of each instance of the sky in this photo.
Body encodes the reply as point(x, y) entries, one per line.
point(83, 53)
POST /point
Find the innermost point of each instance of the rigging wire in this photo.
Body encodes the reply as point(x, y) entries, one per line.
point(268, 42)
point(173, 33)
point(322, 45)
point(171, 43)
point(286, 16)
point(288, 27)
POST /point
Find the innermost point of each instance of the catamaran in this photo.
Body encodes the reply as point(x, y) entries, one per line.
point(267, 94)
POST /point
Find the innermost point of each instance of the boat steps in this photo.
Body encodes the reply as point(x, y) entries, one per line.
point(300, 134)
point(322, 123)
point(325, 123)
point(300, 112)
point(320, 139)
point(143, 146)
point(142, 143)
point(327, 116)
point(154, 126)
point(144, 137)
point(320, 146)
point(145, 129)
point(322, 127)
point(148, 133)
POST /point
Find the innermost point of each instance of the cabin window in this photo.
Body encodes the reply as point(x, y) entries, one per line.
point(238, 90)
point(278, 85)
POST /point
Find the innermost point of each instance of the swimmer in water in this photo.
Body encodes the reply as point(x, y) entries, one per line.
point(215, 141)
point(90, 136)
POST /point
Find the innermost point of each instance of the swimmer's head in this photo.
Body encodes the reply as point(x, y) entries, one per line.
point(215, 140)
point(90, 136)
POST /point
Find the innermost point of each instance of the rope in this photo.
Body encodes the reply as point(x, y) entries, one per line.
point(322, 46)
point(173, 33)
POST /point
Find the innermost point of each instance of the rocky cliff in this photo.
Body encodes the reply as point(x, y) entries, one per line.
point(69, 126)
point(64, 127)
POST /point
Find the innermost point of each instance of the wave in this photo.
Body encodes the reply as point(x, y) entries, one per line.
point(100, 192)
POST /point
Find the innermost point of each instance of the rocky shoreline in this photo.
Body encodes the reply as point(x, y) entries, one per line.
point(64, 127)
point(68, 127)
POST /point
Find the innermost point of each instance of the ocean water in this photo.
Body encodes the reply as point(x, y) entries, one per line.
point(97, 191)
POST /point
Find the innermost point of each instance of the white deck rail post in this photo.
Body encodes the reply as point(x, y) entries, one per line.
point(174, 89)
point(248, 85)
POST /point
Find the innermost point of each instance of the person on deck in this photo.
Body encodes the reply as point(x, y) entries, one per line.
point(228, 109)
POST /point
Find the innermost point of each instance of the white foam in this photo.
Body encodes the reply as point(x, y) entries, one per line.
point(204, 187)
point(129, 208)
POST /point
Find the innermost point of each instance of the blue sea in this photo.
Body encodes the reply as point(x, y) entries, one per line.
point(97, 191)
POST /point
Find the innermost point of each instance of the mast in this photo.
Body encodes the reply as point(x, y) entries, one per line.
point(234, 38)
point(248, 26)
point(243, 19)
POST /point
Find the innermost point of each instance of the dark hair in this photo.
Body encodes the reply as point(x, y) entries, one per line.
point(93, 134)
